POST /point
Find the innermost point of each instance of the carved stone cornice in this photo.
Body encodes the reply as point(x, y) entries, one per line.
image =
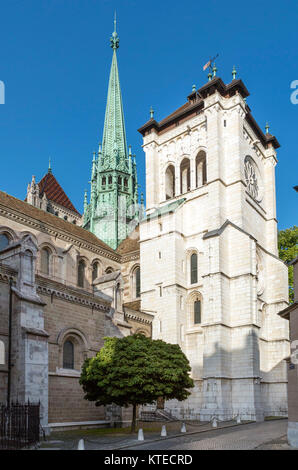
point(56, 233)
point(134, 256)
point(69, 294)
point(137, 318)
point(7, 273)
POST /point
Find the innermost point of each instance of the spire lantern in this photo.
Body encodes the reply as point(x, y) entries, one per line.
point(234, 72)
point(115, 38)
point(193, 88)
point(151, 113)
point(267, 128)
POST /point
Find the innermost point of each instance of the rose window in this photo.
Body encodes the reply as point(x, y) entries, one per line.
point(251, 178)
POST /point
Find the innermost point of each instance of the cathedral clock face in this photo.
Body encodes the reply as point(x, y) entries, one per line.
point(252, 178)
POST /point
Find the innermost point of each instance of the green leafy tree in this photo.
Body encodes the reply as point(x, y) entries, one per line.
point(136, 370)
point(288, 250)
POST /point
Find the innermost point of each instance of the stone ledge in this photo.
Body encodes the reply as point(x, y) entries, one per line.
point(78, 424)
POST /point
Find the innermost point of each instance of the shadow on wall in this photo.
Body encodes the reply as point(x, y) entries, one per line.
point(233, 382)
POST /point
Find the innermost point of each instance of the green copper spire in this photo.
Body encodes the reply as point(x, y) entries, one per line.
point(267, 128)
point(234, 72)
point(114, 137)
point(50, 168)
point(114, 210)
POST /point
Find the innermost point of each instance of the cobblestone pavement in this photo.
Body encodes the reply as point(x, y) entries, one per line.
point(261, 436)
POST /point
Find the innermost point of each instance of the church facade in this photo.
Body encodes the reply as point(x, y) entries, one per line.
point(199, 267)
point(208, 251)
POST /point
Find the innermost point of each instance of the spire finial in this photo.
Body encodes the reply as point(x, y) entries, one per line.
point(267, 128)
point(49, 169)
point(209, 76)
point(151, 113)
point(193, 88)
point(115, 38)
point(214, 70)
point(234, 72)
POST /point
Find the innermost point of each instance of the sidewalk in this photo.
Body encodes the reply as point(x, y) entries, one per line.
point(121, 438)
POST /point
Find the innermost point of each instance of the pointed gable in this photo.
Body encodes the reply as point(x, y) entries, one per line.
point(52, 189)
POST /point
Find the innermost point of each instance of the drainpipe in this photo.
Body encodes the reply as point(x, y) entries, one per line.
point(9, 343)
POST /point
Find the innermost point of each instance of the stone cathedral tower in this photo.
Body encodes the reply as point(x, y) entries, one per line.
point(113, 211)
point(208, 252)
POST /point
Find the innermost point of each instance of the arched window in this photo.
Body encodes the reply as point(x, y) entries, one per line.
point(68, 355)
point(2, 353)
point(4, 241)
point(110, 179)
point(194, 268)
point(170, 182)
point(118, 297)
point(109, 270)
point(95, 271)
point(138, 282)
point(201, 170)
point(197, 312)
point(103, 181)
point(119, 181)
point(185, 175)
point(81, 273)
point(45, 261)
point(126, 182)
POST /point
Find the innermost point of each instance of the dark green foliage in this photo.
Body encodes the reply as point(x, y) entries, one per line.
point(288, 250)
point(136, 370)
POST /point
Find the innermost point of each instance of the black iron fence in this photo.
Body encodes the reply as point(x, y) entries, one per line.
point(19, 425)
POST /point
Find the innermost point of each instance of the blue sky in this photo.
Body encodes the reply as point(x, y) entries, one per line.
point(55, 59)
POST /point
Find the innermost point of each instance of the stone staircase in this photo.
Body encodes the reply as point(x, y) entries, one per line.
point(156, 415)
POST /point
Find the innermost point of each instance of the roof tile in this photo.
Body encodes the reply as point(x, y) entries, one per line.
point(50, 186)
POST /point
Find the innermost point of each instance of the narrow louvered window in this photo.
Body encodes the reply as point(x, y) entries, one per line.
point(197, 312)
point(138, 282)
point(81, 273)
point(68, 355)
point(194, 268)
point(45, 261)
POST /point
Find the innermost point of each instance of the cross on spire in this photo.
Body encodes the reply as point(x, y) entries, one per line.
point(115, 38)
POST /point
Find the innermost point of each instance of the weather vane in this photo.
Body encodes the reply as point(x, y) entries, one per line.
point(209, 63)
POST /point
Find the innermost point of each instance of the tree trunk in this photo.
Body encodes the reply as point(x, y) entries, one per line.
point(134, 418)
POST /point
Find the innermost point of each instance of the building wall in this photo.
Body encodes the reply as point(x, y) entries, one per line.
point(84, 326)
point(293, 368)
point(237, 352)
point(5, 274)
point(83, 315)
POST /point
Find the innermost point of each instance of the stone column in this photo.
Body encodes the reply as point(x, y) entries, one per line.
point(29, 373)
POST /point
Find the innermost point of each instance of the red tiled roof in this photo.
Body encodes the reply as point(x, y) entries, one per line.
point(49, 185)
point(45, 217)
point(175, 113)
point(130, 243)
